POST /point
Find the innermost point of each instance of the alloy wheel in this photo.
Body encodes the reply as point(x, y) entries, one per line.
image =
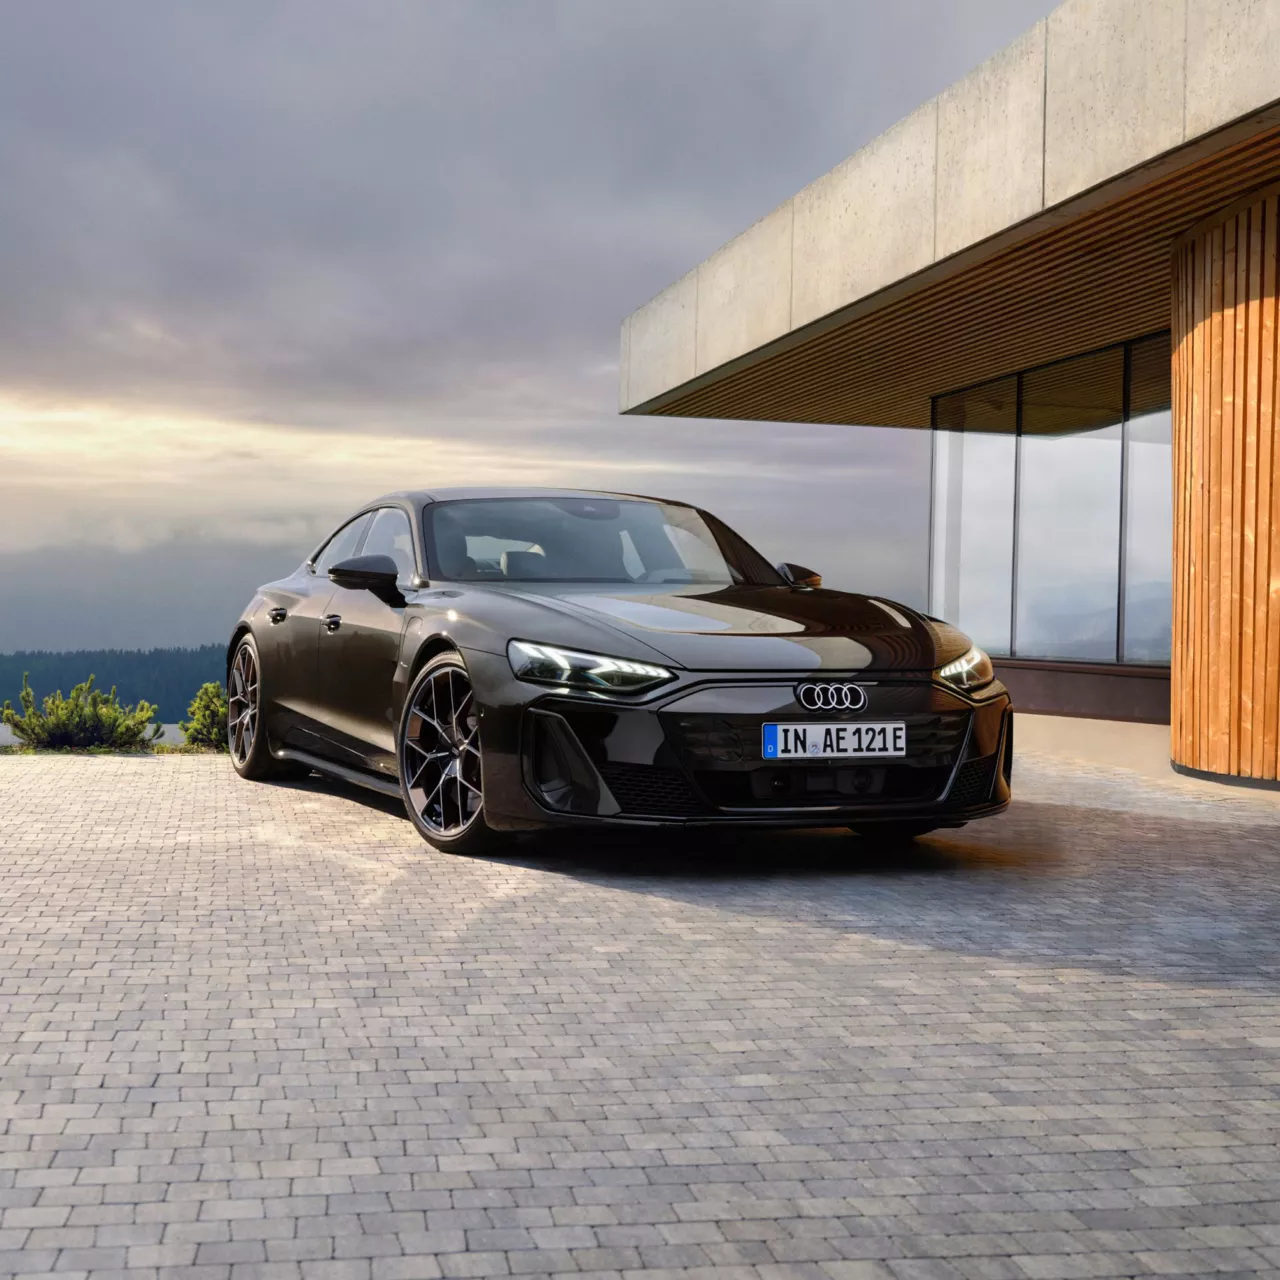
point(242, 704)
point(440, 757)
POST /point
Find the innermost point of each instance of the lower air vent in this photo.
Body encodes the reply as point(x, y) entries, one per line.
point(828, 784)
point(973, 782)
point(558, 768)
point(649, 791)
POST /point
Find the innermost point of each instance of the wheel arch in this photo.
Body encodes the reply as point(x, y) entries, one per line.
point(430, 648)
point(242, 629)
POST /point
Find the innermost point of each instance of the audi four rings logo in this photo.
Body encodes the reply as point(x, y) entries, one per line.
point(831, 697)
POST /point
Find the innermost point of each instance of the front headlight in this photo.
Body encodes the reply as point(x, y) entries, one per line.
point(971, 671)
point(549, 664)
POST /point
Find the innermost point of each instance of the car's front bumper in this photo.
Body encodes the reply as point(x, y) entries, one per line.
point(691, 755)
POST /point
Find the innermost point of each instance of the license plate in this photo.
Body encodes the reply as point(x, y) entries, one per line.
point(810, 741)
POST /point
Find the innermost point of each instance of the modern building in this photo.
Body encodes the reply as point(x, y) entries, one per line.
point(1065, 266)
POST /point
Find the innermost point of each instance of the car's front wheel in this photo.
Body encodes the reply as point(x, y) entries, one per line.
point(441, 774)
point(246, 730)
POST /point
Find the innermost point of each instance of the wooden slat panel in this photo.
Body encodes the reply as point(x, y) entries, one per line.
point(1226, 652)
point(1248, 491)
point(1239, 410)
point(1097, 278)
point(1267, 405)
point(1180, 413)
point(1267, 614)
point(1222, 296)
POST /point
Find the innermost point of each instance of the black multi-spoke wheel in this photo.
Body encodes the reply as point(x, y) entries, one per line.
point(246, 728)
point(441, 777)
point(243, 702)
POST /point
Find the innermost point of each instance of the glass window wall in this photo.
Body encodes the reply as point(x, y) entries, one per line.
point(1068, 535)
point(1148, 542)
point(973, 511)
point(1052, 509)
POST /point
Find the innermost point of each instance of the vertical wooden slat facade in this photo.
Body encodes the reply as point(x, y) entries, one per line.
point(1226, 602)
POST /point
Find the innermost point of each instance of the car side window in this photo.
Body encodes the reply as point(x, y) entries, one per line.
point(342, 545)
point(391, 535)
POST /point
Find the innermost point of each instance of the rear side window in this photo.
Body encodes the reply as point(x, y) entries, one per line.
point(392, 535)
point(342, 545)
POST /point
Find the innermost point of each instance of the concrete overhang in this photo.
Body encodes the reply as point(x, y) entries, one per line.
point(1025, 214)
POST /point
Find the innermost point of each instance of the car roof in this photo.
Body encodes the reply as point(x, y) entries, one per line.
point(463, 493)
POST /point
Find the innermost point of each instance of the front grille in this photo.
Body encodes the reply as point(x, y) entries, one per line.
point(932, 741)
point(933, 738)
point(724, 755)
point(973, 782)
point(650, 791)
point(825, 784)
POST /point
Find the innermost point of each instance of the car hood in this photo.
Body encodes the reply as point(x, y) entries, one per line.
point(759, 628)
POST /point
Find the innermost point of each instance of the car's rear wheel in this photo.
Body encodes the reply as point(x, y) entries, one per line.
point(246, 731)
point(441, 768)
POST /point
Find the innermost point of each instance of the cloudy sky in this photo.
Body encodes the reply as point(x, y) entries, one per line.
point(261, 260)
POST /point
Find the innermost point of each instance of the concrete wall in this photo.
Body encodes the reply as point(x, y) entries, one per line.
point(990, 170)
point(744, 292)
point(1096, 90)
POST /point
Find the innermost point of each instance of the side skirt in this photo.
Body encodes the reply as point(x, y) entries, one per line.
point(384, 786)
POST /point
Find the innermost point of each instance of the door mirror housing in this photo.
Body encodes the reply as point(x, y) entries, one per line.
point(798, 575)
point(377, 574)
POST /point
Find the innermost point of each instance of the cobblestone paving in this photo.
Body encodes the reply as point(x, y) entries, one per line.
point(263, 1033)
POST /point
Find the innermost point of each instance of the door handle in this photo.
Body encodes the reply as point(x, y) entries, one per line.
point(277, 614)
point(332, 621)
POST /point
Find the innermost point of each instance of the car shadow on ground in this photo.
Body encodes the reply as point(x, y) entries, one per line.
point(1172, 897)
point(320, 784)
point(1169, 899)
point(709, 853)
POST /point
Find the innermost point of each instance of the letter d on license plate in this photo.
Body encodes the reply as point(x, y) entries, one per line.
point(822, 741)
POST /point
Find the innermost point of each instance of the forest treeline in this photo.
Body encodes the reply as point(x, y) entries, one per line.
point(169, 678)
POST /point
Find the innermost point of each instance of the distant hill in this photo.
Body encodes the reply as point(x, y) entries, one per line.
point(167, 677)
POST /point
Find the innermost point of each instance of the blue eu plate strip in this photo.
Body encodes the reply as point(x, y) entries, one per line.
point(771, 742)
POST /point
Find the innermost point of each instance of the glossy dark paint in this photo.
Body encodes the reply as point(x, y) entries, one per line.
point(336, 689)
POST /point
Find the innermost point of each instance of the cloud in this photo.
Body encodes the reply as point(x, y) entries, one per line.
point(239, 239)
point(111, 479)
point(309, 209)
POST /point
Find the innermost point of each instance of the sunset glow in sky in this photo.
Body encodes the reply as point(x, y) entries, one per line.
point(261, 262)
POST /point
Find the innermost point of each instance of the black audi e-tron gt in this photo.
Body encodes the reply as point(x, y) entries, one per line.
point(510, 660)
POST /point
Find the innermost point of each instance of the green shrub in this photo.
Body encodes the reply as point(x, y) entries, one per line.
point(88, 718)
point(208, 724)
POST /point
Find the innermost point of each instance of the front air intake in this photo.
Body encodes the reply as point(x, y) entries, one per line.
point(559, 771)
point(647, 790)
point(973, 780)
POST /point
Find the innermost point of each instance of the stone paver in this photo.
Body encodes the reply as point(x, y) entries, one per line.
point(263, 1033)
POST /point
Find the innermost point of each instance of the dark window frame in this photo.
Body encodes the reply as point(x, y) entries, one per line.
point(374, 513)
point(314, 558)
point(1126, 347)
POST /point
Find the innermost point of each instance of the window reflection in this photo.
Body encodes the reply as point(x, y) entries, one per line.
point(974, 454)
point(1081, 450)
point(1148, 552)
point(1068, 555)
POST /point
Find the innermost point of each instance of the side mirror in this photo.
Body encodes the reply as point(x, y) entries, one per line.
point(799, 576)
point(377, 574)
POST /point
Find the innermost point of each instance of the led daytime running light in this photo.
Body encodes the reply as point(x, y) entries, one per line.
point(550, 664)
point(970, 671)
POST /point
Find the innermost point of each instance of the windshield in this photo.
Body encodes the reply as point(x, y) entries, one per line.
point(589, 539)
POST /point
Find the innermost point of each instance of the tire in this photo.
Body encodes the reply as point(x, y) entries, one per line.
point(246, 734)
point(440, 761)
